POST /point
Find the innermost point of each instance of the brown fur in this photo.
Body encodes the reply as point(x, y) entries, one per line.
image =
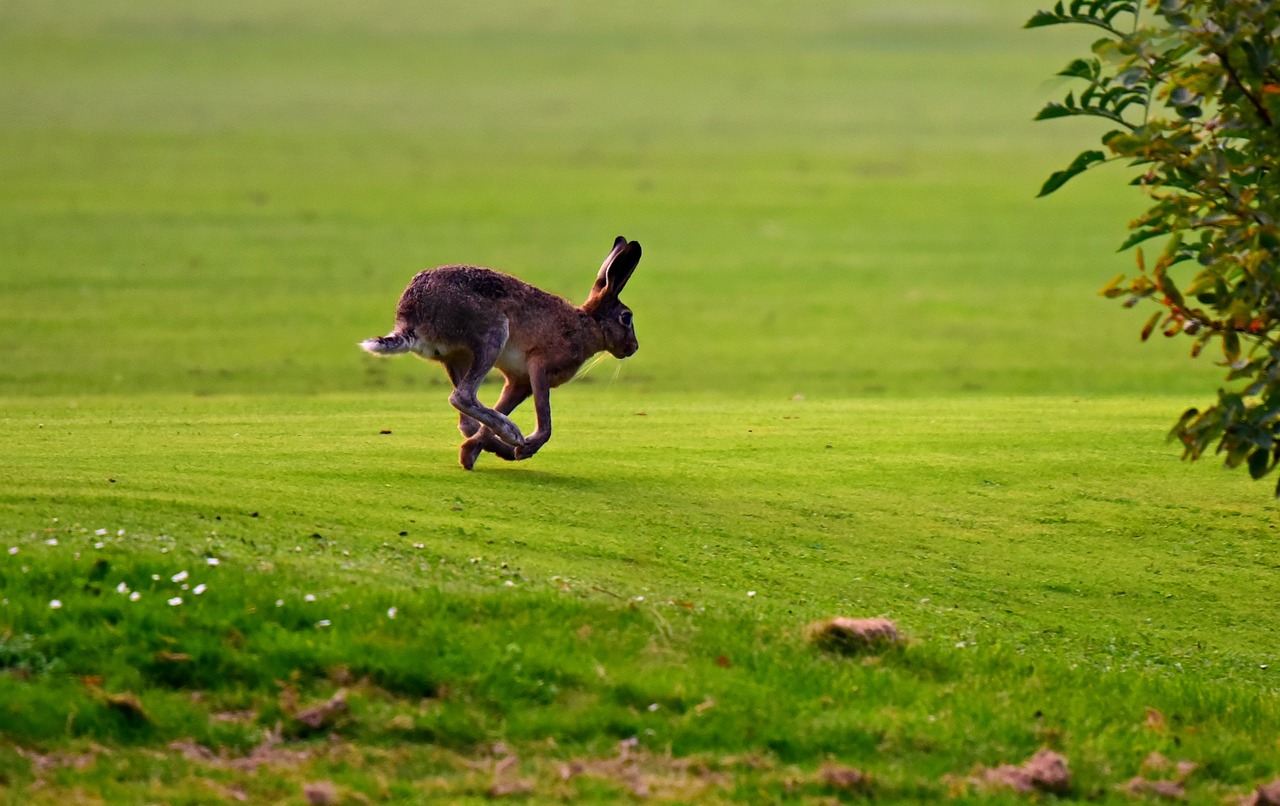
point(473, 319)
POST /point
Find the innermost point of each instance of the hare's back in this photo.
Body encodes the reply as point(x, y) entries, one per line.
point(464, 282)
point(450, 302)
point(464, 288)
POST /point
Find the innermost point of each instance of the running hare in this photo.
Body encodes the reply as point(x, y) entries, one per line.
point(473, 319)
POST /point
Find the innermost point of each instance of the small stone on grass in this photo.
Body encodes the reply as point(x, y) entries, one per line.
point(851, 636)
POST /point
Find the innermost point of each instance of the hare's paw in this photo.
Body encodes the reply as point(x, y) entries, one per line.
point(484, 440)
point(532, 445)
point(470, 451)
point(498, 448)
point(509, 433)
point(495, 421)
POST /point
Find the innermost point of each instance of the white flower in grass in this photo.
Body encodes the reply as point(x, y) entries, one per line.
point(211, 561)
point(199, 589)
point(123, 587)
point(279, 602)
point(310, 597)
point(119, 533)
point(178, 577)
point(155, 577)
point(751, 594)
point(100, 532)
point(99, 544)
point(175, 601)
point(324, 622)
point(55, 604)
point(391, 612)
point(53, 541)
point(135, 596)
point(509, 584)
point(13, 549)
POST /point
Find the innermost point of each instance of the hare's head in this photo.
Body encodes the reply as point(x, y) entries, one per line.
point(603, 305)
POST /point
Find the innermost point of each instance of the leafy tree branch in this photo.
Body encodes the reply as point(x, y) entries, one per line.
point(1203, 75)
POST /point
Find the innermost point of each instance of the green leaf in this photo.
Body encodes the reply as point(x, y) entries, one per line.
point(1199, 344)
point(1082, 69)
point(1140, 236)
point(1151, 325)
point(1231, 346)
point(1079, 165)
point(1184, 422)
point(1042, 18)
point(1236, 454)
point(1119, 8)
point(1112, 289)
point(1259, 54)
point(1132, 78)
point(1259, 463)
point(1056, 110)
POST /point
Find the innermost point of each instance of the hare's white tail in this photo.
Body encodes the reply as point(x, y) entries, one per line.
point(390, 344)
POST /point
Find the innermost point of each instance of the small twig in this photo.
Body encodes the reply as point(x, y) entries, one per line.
point(1235, 79)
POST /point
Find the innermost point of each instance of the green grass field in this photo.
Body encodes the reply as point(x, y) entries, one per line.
point(875, 378)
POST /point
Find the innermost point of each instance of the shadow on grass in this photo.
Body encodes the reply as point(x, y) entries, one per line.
point(531, 477)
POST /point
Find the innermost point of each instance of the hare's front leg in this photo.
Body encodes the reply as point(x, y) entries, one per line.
point(541, 391)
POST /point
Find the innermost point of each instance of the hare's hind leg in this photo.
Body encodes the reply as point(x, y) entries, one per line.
point(482, 439)
point(466, 424)
point(483, 355)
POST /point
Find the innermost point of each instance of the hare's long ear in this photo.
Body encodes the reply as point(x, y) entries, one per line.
point(617, 268)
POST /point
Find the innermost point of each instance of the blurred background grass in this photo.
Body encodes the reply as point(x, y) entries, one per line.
point(834, 199)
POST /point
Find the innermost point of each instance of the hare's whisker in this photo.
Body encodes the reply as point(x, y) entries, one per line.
point(590, 366)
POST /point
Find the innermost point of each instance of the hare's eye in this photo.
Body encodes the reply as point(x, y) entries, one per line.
point(625, 318)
